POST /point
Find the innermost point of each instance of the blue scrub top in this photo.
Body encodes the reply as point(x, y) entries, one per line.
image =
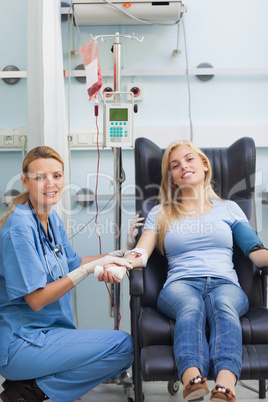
point(23, 269)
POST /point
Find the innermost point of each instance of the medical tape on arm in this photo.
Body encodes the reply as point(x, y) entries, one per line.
point(139, 252)
point(79, 274)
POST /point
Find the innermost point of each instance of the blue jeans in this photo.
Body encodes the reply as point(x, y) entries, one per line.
point(193, 302)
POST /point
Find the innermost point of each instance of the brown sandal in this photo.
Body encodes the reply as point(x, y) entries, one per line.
point(196, 389)
point(219, 394)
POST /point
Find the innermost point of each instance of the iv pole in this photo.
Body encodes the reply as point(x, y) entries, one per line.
point(117, 179)
point(119, 175)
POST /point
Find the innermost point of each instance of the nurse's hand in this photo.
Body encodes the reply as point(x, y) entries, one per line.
point(80, 273)
point(131, 237)
point(133, 231)
point(107, 277)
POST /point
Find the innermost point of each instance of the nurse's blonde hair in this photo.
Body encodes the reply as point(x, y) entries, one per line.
point(40, 152)
point(170, 196)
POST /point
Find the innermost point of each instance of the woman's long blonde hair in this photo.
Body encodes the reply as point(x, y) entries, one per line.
point(36, 153)
point(170, 194)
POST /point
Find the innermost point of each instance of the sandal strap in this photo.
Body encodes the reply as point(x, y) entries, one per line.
point(220, 390)
point(196, 389)
point(196, 380)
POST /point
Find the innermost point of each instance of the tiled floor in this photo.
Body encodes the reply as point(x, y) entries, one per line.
point(157, 392)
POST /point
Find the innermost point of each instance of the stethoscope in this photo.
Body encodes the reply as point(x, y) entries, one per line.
point(55, 249)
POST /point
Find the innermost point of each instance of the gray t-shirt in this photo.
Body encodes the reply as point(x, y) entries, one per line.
point(201, 246)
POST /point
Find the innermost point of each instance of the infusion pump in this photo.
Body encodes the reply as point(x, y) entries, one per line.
point(118, 124)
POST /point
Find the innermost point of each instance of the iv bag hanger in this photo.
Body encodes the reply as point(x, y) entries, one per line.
point(117, 35)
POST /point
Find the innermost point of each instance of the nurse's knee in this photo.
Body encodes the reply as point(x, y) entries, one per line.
point(124, 341)
point(125, 349)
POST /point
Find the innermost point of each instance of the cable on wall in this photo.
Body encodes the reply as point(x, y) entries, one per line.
point(188, 81)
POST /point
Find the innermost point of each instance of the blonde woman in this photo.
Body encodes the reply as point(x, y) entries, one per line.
point(194, 228)
point(42, 354)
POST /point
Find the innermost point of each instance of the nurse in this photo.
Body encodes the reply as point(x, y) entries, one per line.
point(42, 354)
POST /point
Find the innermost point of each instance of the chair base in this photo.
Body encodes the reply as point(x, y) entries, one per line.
point(158, 364)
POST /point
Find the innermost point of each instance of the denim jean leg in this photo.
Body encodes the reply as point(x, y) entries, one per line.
point(181, 301)
point(225, 303)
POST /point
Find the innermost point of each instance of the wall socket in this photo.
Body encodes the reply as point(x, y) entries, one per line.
point(137, 90)
point(13, 138)
point(107, 87)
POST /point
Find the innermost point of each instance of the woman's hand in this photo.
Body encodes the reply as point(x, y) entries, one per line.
point(107, 276)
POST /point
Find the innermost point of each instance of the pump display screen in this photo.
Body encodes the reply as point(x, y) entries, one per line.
point(118, 114)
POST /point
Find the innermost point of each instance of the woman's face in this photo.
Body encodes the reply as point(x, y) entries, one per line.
point(186, 167)
point(44, 181)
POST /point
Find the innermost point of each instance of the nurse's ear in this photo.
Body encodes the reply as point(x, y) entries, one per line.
point(24, 181)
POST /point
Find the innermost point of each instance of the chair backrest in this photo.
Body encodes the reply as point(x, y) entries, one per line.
point(233, 178)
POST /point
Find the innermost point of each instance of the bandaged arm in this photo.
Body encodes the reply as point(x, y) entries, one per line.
point(250, 243)
point(145, 247)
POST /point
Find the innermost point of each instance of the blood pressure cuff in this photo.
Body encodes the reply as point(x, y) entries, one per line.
point(246, 238)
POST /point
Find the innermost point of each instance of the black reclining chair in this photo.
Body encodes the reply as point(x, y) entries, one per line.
point(233, 178)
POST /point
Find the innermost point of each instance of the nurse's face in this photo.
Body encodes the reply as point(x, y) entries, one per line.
point(44, 181)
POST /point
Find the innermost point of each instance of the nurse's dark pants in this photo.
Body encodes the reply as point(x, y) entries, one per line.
point(71, 362)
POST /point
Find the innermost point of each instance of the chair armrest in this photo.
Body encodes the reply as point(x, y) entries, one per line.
point(264, 273)
point(136, 287)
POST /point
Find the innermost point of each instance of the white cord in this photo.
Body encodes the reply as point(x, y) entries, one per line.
point(188, 82)
point(23, 141)
point(77, 25)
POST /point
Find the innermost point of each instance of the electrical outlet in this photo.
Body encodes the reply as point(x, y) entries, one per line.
point(137, 90)
point(8, 140)
point(13, 138)
point(107, 88)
